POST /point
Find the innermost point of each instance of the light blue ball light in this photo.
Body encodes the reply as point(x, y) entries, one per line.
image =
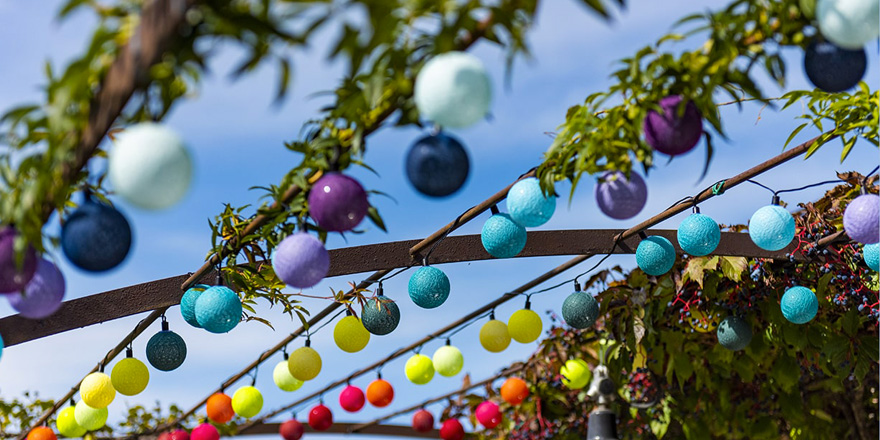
point(188, 304)
point(429, 287)
point(772, 228)
point(453, 90)
point(502, 237)
point(799, 305)
point(849, 23)
point(655, 255)
point(871, 254)
point(527, 204)
point(698, 235)
point(218, 309)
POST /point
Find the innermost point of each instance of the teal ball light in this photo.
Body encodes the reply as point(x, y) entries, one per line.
point(871, 254)
point(166, 350)
point(502, 237)
point(698, 235)
point(799, 305)
point(188, 304)
point(580, 310)
point(381, 315)
point(655, 255)
point(734, 333)
point(527, 204)
point(218, 309)
point(429, 287)
point(453, 90)
point(772, 228)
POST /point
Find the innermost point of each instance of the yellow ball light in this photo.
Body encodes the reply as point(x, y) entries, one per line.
point(66, 424)
point(419, 369)
point(130, 376)
point(247, 401)
point(97, 391)
point(525, 326)
point(704, 322)
point(576, 374)
point(90, 419)
point(448, 361)
point(283, 379)
point(350, 334)
point(304, 363)
point(494, 336)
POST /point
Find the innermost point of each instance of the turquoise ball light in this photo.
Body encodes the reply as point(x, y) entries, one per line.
point(655, 255)
point(453, 90)
point(580, 310)
point(871, 254)
point(429, 287)
point(799, 305)
point(218, 309)
point(188, 304)
point(502, 237)
point(166, 350)
point(527, 204)
point(734, 333)
point(698, 235)
point(772, 228)
point(381, 315)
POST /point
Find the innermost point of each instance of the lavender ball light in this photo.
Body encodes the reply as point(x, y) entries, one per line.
point(301, 260)
point(861, 219)
point(43, 294)
point(337, 202)
point(14, 278)
point(621, 198)
point(671, 133)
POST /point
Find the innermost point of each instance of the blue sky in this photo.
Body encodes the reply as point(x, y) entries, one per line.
point(236, 137)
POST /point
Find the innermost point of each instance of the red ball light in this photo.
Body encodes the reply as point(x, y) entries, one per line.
point(164, 436)
point(423, 421)
point(205, 431)
point(320, 418)
point(452, 430)
point(488, 414)
point(352, 399)
point(181, 434)
point(291, 430)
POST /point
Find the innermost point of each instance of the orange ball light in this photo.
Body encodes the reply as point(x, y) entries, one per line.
point(380, 393)
point(219, 408)
point(514, 391)
point(41, 433)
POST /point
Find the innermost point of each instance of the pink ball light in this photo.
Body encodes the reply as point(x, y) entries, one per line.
point(352, 399)
point(488, 414)
point(205, 431)
point(181, 434)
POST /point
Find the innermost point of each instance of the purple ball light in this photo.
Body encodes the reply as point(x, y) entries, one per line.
point(301, 260)
point(43, 294)
point(620, 198)
point(861, 220)
point(337, 202)
point(13, 280)
point(670, 133)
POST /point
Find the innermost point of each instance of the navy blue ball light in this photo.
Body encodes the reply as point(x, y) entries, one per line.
point(96, 237)
point(833, 68)
point(437, 165)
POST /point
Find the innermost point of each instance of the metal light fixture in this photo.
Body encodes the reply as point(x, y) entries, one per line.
point(603, 421)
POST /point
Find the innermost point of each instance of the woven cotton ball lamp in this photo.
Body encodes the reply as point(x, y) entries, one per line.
point(130, 376)
point(205, 431)
point(90, 419)
point(488, 414)
point(218, 309)
point(41, 433)
point(698, 235)
point(247, 401)
point(66, 423)
point(380, 393)
point(528, 205)
point(799, 305)
point(320, 418)
point(576, 374)
point(380, 315)
point(14, 278)
point(514, 391)
point(96, 237)
point(149, 166)
point(429, 287)
point(451, 430)
point(219, 408)
point(43, 294)
point(448, 360)
point(734, 333)
point(621, 198)
point(655, 255)
point(422, 421)
point(861, 217)
point(772, 227)
point(453, 90)
point(350, 334)
point(437, 165)
point(502, 237)
point(166, 350)
point(188, 304)
point(671, 132)
point(338, 202)
point(419, 369)
point(494, 336)
point(580, 310)
point(352, 399)
point(304, 363)
point(282, 377)
point(182, 434)
point(871, 254)
point(524, 325)
point(301, 260)
point(97, 391)
point(848, 23)
point(291, 430)
point(832, 68)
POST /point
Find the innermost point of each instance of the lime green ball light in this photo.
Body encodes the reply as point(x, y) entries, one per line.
point(448, 360)
point(130, 376)
point(350, 334)
point(97, 391)
point(247, 401)
point(304, 363)
point(66, 423)
point(576, 374)
point(89, 418)
point(283, 379)
point(525, 326)
point(419, 369)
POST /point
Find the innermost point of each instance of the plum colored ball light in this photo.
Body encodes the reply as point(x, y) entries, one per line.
point(861, 219)
point(448, 361)
point(291, 430)
point(527, 204)
point(90, 419)
point(149, 166)
point(66, 424)
point(219, 408)
point(871, 254)
point(772, 228)
point(166, 350)
point(848, 23)
point(301, 260)
point(283, 379)
point(130, 376)
point(453, 90)
point(320, 418)
point(452, 430)
point(698, 235)
point(304, 363)
point(429, 287)
point(218, 309)
point(621, 198)
point(437, 165)
point(96, 237)
point(734, 333)
point(799, 305)
point(352, 399)
point(423, 421)
point(832, 68)
point(502, 237)
point(655, 255)
point(337, 202)
point(205, 431)
point(576, 374)
point(179, 434)
point(380, 393)
point(350, 334)
point(188, 304)
point(42, 296)
point(13, 278)
point(670, 133)
point(494, 336)
point(419, 369)
point(514, 391)
point(381, 315)
point(247, 401)
point(525, 326)
point(488, 414)
point(97, 391)
point(580, 310)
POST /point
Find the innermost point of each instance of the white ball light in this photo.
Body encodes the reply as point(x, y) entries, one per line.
point(149, 166)
point(453, 90)
point(849, 23)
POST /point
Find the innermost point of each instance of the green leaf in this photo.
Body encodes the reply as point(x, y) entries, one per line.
point(374, 216)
